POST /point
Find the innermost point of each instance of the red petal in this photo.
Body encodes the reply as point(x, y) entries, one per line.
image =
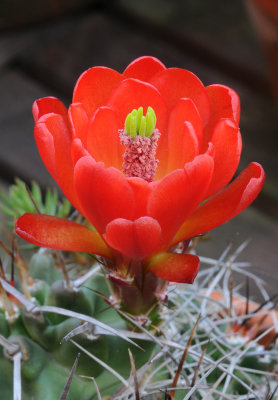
point(183, 140)
point(78, 151)
point(175, 83)
point(183, 147)
point(56, 125)
point(79, 121)
point(210, 151)
point(224, 103)
point(45, 144)
point(136, 239)
point(227, 144)
point(175, 197)
point(225, 205)
point(252, 188)
point(103, 141)
point(141, 190)
point(59, 233)
point(104, 193)
point(143, 68)
point(184, 133)
point(183, 111)
point(181, 268)
point(94, 87)
point(131, 94)
point(48, 105)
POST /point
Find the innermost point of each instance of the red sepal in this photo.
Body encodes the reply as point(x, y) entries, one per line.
point(104, 193)
point(181, 268)
point(60, 233)
point(136, 239)
point(176, 196)
point(224, 205)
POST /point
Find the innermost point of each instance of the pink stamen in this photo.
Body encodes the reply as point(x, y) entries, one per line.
point(139, 157)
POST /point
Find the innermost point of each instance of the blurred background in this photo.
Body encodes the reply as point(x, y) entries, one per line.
point(45, 45)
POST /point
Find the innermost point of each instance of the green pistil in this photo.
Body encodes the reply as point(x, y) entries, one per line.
point(136, 124)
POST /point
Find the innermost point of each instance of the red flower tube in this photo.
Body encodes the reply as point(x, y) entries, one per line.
point(177, 190)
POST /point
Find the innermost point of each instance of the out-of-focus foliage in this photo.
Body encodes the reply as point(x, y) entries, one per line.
point(20, 200)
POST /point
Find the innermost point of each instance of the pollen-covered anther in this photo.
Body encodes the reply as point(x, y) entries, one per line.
point(140, 139)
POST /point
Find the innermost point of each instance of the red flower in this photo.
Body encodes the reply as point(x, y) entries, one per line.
point(138, 221)
point(254, 325)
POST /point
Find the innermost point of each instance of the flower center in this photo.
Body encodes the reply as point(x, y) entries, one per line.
point(140, 139)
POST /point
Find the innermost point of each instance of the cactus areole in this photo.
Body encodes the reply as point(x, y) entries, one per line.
point(146, 157)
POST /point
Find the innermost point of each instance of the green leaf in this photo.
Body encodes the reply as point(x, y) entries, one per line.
point(6, 210)
point(64, 209)
point(6, 199)
point(37, 195)
point(18, 201)
point(51, 200)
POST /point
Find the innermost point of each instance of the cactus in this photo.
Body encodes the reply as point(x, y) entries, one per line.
point(190, 345)
point(38, 335)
